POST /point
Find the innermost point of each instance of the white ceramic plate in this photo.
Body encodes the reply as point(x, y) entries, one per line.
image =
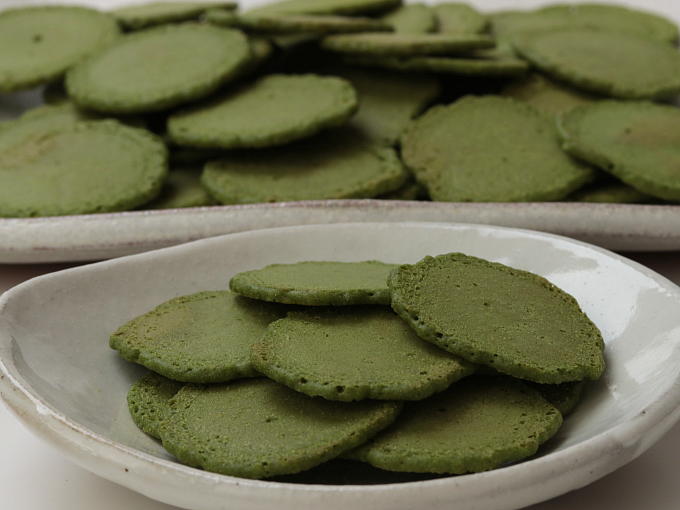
point(618, 227)
point(58, 374)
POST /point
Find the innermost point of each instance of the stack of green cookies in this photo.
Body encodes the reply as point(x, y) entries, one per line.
point(187, 104)
point(452, 365)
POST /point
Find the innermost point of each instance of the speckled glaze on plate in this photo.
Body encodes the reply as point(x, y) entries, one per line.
point(45, 339)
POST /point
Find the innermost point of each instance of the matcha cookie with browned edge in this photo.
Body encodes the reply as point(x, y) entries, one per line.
point(159, 68)
point(351, 354)
point(413, 18)
point(47, 161)
point(468, 66)
point(274, 110)
point(591, 60)
point(346, 7)
point(637, 142)
point(447, 149)
point(148, 402)
point(259, 429)
point(405, 45)
point(459, 18)
point(38, 44)
point(480, 423)
point(199, 338)
point(317, 283)
point(334, 165)
point(309, 24)
point(135, 17)
point(513, 321)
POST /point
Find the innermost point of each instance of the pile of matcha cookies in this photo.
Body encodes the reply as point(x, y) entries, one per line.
point(448, 366)
point(190, 104)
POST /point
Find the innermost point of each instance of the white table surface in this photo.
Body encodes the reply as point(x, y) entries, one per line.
point(35, 477)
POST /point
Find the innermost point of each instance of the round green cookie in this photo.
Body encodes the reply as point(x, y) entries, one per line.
point(448, 149)
point(47, 163)
point(158, 68)
point(38, 44)
point(479, 424)
point(354, 354)
point(199, 338)
point(259, 429)
point(182, 189)
point(309, 24)
point(491, 67)
point(138, 16)
point(592, 60)
point(388, 101)
point(565, 397)
point(274, 110)
point(350, 7)
point(490, 314)
point(546, 95)
point(317, 283)
point(637, 142)
point(459, 18)
point(411, 19)
point(148, 402)
point(405, 45)
point(336, 165)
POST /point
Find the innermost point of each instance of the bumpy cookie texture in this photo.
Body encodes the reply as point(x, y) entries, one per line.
point(274, 110)
point(317, 283)
point(199, 338)
point(182, 188)
point(47, 162)
point(479, 424)
point(259, 429)
point(548, 96)
point(491, 67)
point(459, 18)
point(513, 321)
point(148, 402)
point(326, 6)
point(404, 45)
point(352, 354)
point(38, 44)
point(139, 16)
point(308, 23)
point(447, 148)
point(388, 101)
point(411, 19)
point(565, 397)
point(334, 165)
point(157, 69)
point(637, 142)
point(591, 60)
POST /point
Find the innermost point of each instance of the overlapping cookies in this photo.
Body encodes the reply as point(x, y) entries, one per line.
point(338, 99)
point(448, 366)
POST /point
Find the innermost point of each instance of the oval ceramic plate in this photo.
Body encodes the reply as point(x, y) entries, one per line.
point(59, 375)
point(90, 237)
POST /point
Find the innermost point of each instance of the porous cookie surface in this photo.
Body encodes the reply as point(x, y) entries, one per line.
point(157, 13)
point(411, 19)
point(326, 6)
point(638, 142)
point(258, 429)
point(388, 101)
point(148, 402)
point(47, 162)
point(447, 148)
point(38, 44)
point(507, 66)
point(334, 165)
point(203, 337)
point(181, 189)
point(158, 68)
point(317, 283)
point(405, 44)
point(546, 95)
point(591, 60)
point(274, 110)
point(513, 321)
point(354, 354)
point(458, 18)
point(480, 423)
point(309, 23)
